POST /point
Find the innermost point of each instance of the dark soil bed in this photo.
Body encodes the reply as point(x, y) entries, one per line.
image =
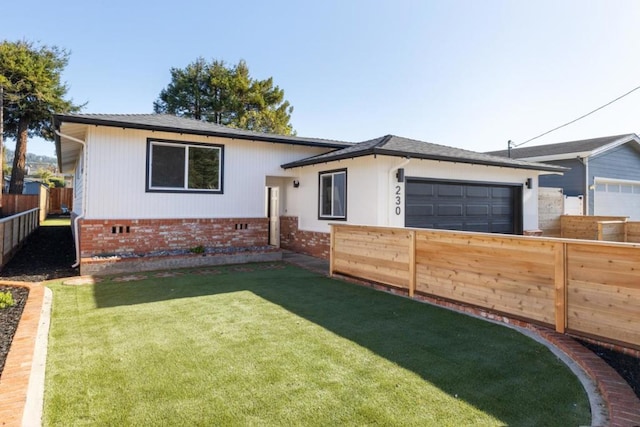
point(627, 366)
point(47, 254)
point(9, 318)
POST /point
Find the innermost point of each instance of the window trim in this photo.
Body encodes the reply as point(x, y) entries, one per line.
point(184, 144)
point(332, 172)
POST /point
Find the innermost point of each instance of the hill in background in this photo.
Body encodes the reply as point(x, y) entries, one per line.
point(34, 161)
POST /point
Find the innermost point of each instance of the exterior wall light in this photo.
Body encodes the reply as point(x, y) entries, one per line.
point(529, 183)
point(296, 183)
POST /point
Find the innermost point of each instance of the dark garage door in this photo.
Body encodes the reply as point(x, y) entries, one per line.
point(463, 206)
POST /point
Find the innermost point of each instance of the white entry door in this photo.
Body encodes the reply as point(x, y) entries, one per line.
point(274, 216)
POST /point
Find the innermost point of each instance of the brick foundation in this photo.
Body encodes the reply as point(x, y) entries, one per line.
point(142, 236)
point(312, 243)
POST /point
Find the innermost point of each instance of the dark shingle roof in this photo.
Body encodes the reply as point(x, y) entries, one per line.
point(580, 146)
point(391, 145)
point(171, 123)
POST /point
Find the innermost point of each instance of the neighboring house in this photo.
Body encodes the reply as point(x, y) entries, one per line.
point(606, 171)
point(147, 183)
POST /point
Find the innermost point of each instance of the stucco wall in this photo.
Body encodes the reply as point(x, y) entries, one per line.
point(372, 188)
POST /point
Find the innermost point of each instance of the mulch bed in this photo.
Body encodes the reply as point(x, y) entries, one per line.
point(9, 318)
point(49, 254)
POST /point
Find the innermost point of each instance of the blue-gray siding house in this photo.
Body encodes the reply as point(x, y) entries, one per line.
point(606, 171)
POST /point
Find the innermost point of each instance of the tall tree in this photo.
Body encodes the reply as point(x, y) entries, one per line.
point(227, 95)
point(33, 91)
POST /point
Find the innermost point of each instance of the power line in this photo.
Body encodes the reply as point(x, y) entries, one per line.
point(512, 145)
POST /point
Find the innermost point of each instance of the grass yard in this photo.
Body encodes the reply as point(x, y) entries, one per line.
point(272, 344)
point(56, 222)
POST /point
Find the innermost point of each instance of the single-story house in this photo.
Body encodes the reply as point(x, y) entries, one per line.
point(605, 171)
point(149, 183)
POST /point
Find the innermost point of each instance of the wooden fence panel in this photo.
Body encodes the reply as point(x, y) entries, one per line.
point(377, 254)
point(15, 203)
point(13, 232)
point(633, 231)
point(60, 197)
point(604, 291)
point(612, 231)
point(505, 274)
point(583, 227)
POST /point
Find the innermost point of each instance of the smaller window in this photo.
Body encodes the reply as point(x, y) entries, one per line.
point(333, 195)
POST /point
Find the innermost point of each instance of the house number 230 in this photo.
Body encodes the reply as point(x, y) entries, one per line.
point(398, 197)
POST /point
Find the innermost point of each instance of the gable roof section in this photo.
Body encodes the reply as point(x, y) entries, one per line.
point(175, 124)
point(570, 149)
point(391, 145)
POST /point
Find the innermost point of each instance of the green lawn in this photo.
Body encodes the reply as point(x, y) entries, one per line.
point(271, 344)
point(56, 222)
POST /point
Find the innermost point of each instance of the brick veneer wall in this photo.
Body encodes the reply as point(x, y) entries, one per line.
point(307, 242)
point(141, 236)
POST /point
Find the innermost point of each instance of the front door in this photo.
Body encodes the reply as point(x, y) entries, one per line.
point(274, 216)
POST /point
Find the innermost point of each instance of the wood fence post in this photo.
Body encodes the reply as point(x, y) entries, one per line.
point(412, 262)
point(560, 281)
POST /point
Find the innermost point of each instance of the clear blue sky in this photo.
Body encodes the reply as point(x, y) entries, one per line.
point(467, 73)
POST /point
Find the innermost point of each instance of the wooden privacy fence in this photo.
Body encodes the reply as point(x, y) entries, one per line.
point(14, 230)
point(590, 289)
point(59, 197)
point(16, 203)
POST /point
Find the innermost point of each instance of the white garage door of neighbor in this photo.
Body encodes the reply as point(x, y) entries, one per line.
point(617, 198)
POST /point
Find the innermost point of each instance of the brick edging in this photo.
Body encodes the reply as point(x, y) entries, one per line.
point(17, 369)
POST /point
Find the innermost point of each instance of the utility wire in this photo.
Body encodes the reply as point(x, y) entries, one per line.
point(512, 145)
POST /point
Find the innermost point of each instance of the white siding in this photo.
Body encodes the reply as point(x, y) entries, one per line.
point(371, 189)
point(117, 165)
point(78, 185)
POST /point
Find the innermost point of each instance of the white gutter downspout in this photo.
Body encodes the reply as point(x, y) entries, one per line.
point(585, 161)
point(390, 186)
point(76, 234)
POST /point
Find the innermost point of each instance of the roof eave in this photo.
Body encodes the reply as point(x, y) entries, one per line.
point(140, 126)
point(393, 153)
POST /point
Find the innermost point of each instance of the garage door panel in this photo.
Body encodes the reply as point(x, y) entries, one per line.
point(477, 210)
point(617, 199)
point(462, 206)
point(445, 190)
point(482, 192)
point(424, 190)
point(506, 210)
point(450, 210)
point(420, 210)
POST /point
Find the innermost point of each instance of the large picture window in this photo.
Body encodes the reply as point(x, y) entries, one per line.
point(176, 166)
point(333, 195)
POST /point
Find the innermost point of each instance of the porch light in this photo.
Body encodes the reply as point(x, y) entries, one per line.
point(296, 183)
point(529, 183)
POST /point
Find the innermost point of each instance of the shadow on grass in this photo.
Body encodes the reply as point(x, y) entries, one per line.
point(466, 357)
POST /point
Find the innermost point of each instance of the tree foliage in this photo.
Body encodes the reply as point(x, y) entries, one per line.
point(226, 95)
point(33, 92)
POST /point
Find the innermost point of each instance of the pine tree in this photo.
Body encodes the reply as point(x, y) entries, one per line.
point(226, 95)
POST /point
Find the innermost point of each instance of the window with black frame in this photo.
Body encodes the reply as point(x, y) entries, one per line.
point(333, 195)
point(177, 166)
